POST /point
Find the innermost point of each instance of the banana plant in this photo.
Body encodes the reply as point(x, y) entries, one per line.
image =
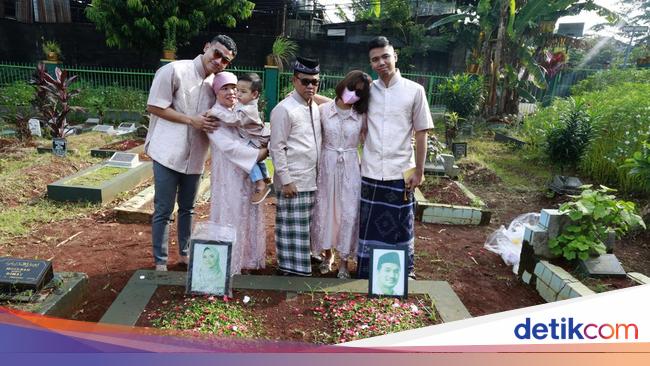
point(510, 35)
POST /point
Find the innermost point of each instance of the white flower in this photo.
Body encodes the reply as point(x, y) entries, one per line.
point(365, 326)
point(246, 299)
point(395, 305)
point(234, 327)
point(414, 308)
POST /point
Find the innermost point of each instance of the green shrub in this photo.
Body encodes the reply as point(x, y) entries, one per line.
point(620, 122)
point(462, 94)
point(593, 215)
point(608, 78)
point(639, 166)
point(17, 94)
point(567, 142)
point(111, 97)
point(536, 127)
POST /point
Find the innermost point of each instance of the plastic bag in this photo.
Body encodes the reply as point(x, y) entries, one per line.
point(507, 242)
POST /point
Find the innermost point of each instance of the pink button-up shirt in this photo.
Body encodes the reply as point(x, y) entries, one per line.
point(184, 86)
point(394, 113)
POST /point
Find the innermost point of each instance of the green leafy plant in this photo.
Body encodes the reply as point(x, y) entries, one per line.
point(639, 165)
point(593, 215)
point(462, 94)
point(169, 43)
point(451, 127)
point(282, 51)
point(53, 95)
point(51, 47)
point(567, 142)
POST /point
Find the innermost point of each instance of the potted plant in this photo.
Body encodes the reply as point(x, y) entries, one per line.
point(52, 50)
point(282, 51)
point(53, 95)
point(169, 43)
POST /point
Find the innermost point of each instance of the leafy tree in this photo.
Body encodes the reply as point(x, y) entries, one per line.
point(511, 41)
point(397, 21)
point(149, 24)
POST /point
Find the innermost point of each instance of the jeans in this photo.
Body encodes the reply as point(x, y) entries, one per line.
point(258, 172)
point(170, 184)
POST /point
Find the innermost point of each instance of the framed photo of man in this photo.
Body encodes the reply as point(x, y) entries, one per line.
point(388, 274)
point(208, 272)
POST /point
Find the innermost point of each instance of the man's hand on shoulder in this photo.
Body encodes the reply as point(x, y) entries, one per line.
point(204, 122)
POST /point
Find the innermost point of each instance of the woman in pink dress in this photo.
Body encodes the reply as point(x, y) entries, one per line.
point(231, 188)
point(336, 211)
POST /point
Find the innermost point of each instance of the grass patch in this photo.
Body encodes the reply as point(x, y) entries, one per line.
point(208, 315)
point(356, 316)
point(19, 220)
point(96, 177)
point(510, 166)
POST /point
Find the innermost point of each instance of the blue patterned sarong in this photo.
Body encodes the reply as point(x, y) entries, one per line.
point(385, 218)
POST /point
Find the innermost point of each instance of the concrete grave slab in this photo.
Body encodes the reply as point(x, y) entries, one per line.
point(135, 296)
point(124, 160)
point(605, 265)
point(59, 297)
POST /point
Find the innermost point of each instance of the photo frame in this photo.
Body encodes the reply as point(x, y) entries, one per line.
point(208, 272)
point(388, 272)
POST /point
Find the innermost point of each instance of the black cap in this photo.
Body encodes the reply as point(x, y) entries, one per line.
point(306, 65)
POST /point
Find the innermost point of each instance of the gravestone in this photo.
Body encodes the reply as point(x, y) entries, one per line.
point(565, 185)
point(18, 275)
point(92, 121)
point(35, 127)
point(124, 160)
point(104, 128)
point(125, 128)
point(459, 149)
point(605, 265)
point(59, 146)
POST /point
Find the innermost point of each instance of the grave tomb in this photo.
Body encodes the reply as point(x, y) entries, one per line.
point(104, 129)
point(18, 275)
point(124, 160)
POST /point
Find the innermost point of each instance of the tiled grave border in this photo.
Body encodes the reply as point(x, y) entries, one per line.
point(59, 191)
point(131, 302)
point(438, 213)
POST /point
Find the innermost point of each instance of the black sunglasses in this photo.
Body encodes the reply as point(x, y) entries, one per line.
point(224, 60)
point(306, 82)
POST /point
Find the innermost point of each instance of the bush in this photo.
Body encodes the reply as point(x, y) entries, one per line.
point(608, 78)
point(111, 97)
point(537, 126)
point(639, 166)
point(462, 94)
point(620, 121)
point(19, 93)
point(593, 215)
point(567, 142)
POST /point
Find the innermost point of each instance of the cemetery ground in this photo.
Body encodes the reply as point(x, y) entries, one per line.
point(88, 238)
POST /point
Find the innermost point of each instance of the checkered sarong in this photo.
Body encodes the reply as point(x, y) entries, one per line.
point(292, 220)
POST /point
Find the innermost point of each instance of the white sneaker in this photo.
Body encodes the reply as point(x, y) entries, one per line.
point(161, 267)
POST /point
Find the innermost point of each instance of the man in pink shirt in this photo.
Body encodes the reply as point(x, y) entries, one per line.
point(397, 110)
point(180, 96)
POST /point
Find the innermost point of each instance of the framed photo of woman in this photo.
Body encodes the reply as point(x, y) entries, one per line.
point(208, 272)
point(388, 274)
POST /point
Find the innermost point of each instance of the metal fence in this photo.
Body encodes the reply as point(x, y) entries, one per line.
point(141, 79)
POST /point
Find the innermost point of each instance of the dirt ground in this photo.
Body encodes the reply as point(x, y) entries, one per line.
point(109, 252)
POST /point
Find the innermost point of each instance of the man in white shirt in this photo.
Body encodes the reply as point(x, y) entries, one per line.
point(180, 95)
point(295, 148)
point(398, 109)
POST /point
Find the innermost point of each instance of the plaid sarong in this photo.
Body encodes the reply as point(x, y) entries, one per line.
point(292, 220)
point(385, 218)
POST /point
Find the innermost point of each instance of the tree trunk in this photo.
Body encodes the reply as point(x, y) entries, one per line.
point(492, 104)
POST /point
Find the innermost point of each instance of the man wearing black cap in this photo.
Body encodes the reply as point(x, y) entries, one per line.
point(295, 148)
